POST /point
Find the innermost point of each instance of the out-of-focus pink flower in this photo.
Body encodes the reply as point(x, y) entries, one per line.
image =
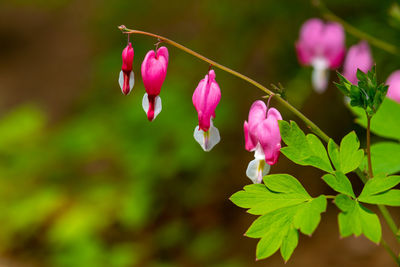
point(394, 86)
point(154, 71)
point(321, 45)
point(358, 57)
point(205, 99)
point(262, 135)
point(126, 76)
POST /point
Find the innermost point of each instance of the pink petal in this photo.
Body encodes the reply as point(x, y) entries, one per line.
point(358, 57)
point(205, 99)
point(154, 70)
point(394, 86)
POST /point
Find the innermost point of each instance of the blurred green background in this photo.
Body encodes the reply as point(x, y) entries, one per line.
point(86, 180)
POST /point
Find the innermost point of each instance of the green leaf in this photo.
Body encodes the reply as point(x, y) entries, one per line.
point(289, 243)
point(340, 183)
point(385, 157)
point(260, 200)
point(389, 198)
point(379, 184)
point(285, 207)
point(356, 219)
point(285, 183)
point(386, 122)
point(377, 191)
point(309, 215)
point(303, 150)
point(350, 154)
point(334, 154)
point(368, 94)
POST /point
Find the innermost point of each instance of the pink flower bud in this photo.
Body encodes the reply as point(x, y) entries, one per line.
point(205, 99)
point(394, 86)
point(358, 57)
point(262, 135)
point(154, 71)
point(321, 45)
point(126, 76)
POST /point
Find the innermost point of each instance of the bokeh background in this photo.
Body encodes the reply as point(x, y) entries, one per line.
point(86, 180)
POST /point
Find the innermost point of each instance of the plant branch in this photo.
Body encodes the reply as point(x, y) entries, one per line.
point(300, 115)
point(313, 127)
point(329, 15)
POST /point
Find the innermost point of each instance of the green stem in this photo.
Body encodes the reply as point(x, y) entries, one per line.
point(384, 211)
point(370, 171)
point(391, 253)
point(389, 220)
point(329, 15)
point(313, 127)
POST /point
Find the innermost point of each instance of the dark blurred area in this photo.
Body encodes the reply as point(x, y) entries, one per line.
point(86, 180)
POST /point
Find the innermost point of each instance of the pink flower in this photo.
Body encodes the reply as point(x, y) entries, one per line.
point(358, 57)
point(205, 99)
point(262, 135)
point(394, 86)
point(126, 76)
point(154, 71)
point(321, 45)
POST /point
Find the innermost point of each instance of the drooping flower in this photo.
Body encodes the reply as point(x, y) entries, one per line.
point(262, 135)
point(205, 99)
point(358, 57)
point(154, 71)
point(394, 86)
point(126, 76)
point(322, 46)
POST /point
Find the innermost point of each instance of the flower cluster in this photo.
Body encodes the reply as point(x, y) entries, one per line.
point(261, 131)
point(322, 46)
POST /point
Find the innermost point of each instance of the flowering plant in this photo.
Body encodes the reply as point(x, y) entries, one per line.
point(284, 206)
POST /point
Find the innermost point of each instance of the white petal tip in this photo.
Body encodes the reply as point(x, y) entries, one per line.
point(131, 81)
point(157, 105)
point(256, 170)
point(207, 140)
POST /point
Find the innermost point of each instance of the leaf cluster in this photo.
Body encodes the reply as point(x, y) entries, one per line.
point(367, 94)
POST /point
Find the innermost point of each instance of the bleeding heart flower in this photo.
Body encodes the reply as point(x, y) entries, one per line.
point(126, 76)
point(154, 71)
point(358, 57)
point(394, 86)
point(321, 45)
point(262, 136)
point(205, 99)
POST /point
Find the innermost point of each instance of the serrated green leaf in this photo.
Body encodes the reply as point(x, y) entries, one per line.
point(285, 183)
point(260, 200)
point(269, 244)
point(386, 121)
point(385, 157)
point(309, 215)
point(340, 183)
point(289, 243)
point(268, 223)
point(379, 183)
point(356, 219)
point(376, 191)
point(350, 154)
point(301, 149)
point(276, 227)
point(389, 198)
